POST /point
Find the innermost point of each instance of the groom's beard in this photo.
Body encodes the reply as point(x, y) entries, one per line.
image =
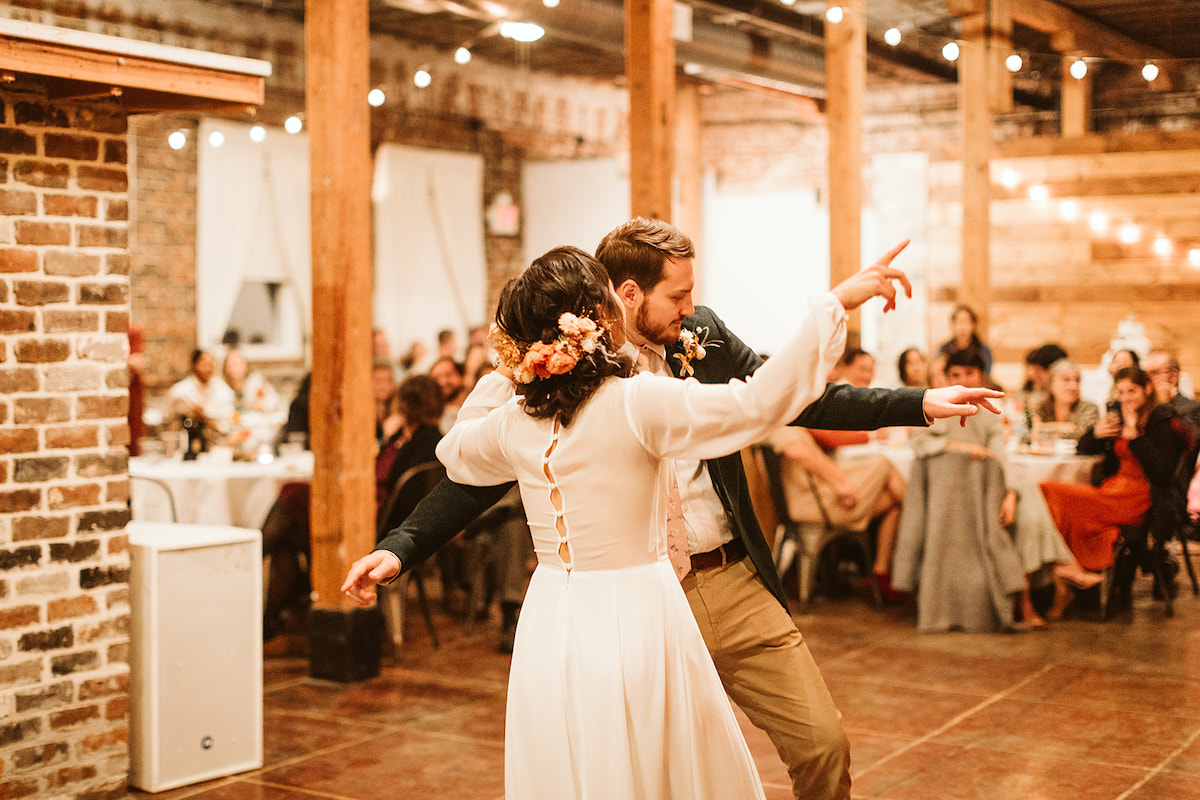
point(657, 333)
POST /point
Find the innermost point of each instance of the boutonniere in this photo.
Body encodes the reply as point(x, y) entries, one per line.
point(693, 344)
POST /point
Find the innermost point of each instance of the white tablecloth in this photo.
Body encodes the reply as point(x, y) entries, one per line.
point(210, 493)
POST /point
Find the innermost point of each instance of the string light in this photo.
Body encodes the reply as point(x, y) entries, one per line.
point(550, 3)
point(422, 78)
point(376, 98)
point(835, 14)
point(1194, 256)
point(177, 140)
point(293, 125)
point(258, 134)
point(1163, 246)
point(788, 2)
point(1129, 233)
point(892, 36)
point(1039, 193)
point(1009, 179)
point(1150, 71)
point(1098, 221)
point(1013, 63)
point(1068, 210)
point(1078, 69)
point(462, 55)
point(521, 31)
point(950, 51)
point(216, 138)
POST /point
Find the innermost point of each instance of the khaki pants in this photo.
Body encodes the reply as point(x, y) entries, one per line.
point(767, 670)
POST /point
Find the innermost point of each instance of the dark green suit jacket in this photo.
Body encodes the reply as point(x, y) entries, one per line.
point(451, 506)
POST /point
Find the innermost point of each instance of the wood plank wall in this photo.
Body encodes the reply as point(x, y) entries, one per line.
point(1057, 280)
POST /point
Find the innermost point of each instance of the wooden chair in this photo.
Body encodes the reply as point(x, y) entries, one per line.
point(410, 489)
point(801, 542)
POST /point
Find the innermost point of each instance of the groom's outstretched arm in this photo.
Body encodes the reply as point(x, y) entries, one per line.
point(438, 518)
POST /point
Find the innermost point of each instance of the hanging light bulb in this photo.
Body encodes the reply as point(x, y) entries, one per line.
point(1068, 210)
point(550, 3)
point(376, 98)
point(788, 2)
point(258, 134)
point(216, 138)
point(521, 31)
point(1150, 71)
point(422, 78)
point(1013, 63)
point(892, 36)
point(1009, 178)
point(1098, 221)
point(835, 14)
point(462, 55)
point(1129, 233)
point(950, 51)
point(177, 140)
point(293, 125)
point(1163, 246)
point(1078, 69)
point(1039, 193)
point(1194, 256)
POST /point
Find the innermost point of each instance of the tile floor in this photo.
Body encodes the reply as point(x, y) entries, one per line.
point(1087, 710)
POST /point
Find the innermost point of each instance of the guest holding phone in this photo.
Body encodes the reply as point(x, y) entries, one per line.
point(1142, 441)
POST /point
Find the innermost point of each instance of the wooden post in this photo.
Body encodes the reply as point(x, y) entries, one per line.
point(846, 79)
point(344, 643)
point(974, 101)
point(650, 77)
point(690, 203)
point(1076, 103)
point(999, 46)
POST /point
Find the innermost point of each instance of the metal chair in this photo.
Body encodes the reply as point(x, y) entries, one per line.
point(161, 486)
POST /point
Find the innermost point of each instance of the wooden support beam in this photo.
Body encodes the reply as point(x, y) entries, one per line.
point(974, 102)
point(846, 79)
point(650, 78)
point(1076, 102)
point(342, 415)
point(999, 44)
point(689, 171)
point(1097, 39)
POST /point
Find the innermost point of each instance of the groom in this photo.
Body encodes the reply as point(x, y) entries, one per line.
point(733, 588)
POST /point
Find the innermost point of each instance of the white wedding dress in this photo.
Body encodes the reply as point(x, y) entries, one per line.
point(612, 693)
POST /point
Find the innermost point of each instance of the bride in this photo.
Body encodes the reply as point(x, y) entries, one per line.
point(612, 692)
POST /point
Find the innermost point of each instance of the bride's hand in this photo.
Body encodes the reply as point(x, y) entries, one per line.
point(874, 281)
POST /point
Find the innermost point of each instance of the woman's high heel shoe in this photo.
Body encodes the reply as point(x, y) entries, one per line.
point(1076, 576)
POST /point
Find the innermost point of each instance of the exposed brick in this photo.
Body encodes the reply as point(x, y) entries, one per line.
point(104, 293)
point(116, 739)
point(117, 378)
point(116, 492)
point(103, 179)
point(25, 529)
point(116, 321)
point(14, 202)
point(113, 349)
point(54, 695)
point(116, 152)
point(21, 731)
point(20, 617)
point(41, 756)
point(70, 607)
point(40, 115)
point(107, 630)
point(57, 639)
point(17, 320)
point(68, 775)
point(28, 410)
point(74, 662)
point(17, 142)
point(14, 260)
point(72, 717)
point(16, 789)
point(116, 210)
point(118, 435)
point(117, 708)
point(116, 264)
point(56, 320)
point(102, 406)
point(18, 440)
point(20, 500)
point(34, 232)
point(40, 293)
point(104, 687)
point(20, 557)
point(42, 351)
point(42, 173)
point(23, 673)
point(103, 236)
point(60, 497)
point(74, 552)
point(70, 205)
point(71, 263)
point(95, 577)
point(69, 145)
point(101, 119)
point(40, 469)
point(73, 376)
point(113, 520)
point(75, 438)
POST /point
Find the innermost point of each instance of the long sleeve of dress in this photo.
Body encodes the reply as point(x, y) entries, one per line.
point(473, 450)
point(673, 418)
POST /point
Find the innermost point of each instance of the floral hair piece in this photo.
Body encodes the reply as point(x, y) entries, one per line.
point(578, 336)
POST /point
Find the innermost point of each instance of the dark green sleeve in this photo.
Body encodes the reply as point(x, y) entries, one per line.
point(438, 518)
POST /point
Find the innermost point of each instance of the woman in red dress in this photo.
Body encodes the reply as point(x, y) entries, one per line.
point(1142, 443)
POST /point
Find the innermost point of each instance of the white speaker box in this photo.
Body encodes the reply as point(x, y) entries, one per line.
point(195, 653)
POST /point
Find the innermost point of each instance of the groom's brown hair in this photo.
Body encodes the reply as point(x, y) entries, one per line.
point(638, 249)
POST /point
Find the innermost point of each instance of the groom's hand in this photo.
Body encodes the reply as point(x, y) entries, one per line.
point(375, 567)
point(958, 401)
point(874, 281)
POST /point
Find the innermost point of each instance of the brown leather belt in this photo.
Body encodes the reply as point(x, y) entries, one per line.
point(730, 552)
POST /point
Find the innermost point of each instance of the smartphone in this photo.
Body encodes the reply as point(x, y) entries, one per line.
point(1114, 407)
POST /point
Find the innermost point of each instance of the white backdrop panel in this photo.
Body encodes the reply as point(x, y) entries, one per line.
point(573, 202)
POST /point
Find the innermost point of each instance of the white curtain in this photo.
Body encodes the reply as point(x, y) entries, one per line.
point(573, 202)
point(430, 268)
point(252, 224)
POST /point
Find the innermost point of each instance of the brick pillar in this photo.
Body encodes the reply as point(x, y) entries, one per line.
point(64, 566)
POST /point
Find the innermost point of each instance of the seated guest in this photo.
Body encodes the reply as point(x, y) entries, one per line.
point(203, 396)
point(418, 401)
point(1142, 441)
point(383, 384)
point(1062, 405)
point(449, 375)
point(1163, 369)
point(251, 391)
point(964, 323)
point(1037, 374)
point(913, 369)
point(854, 494)
point(857, 368)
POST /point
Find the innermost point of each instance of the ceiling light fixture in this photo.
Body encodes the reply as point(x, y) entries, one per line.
point(1078, 69)
point(462, 55)
point(835, 14)
point(1129, 233)
point(1009, 178)
point(258, 134)
point(422, 78)
point(376, 98)
point(950, 51)
point(216, 138)
point(521, 31)
point(1163, 246)
point(892, 36)
point(1068, 210)
point(1194, 256)
point(550, 3)
point(177, 140)
point(1013, 63)
point(1039, 193)
point(1098, 221)
point(293, 125)
point(1149, 72)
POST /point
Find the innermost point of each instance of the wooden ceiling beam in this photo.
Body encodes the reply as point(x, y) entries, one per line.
point(1070, 31)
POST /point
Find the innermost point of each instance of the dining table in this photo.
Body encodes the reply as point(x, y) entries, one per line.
point(212, 490)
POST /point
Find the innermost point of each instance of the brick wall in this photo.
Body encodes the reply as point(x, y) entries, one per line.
point(64, 314)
